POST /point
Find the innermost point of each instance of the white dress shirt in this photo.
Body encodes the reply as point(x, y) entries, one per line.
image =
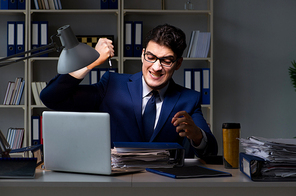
point(147, 95)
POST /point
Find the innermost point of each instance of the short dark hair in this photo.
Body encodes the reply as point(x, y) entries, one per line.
point(169, 36)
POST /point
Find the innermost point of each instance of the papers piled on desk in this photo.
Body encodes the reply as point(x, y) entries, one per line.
point(146, 154)
point(278, 155)
point(139, 158)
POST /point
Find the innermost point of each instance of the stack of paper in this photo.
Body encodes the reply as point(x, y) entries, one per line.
point(145, 154)
point(278, 155)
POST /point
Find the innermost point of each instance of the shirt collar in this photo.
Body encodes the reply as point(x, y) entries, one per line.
point(147, 89)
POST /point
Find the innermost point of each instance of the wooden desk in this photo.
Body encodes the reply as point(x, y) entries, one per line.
point(48, 183)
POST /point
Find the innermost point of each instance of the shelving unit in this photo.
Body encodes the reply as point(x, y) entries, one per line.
point(86, 18)
point(172, 13)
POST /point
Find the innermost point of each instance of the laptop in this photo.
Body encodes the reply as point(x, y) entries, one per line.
point(79, 142)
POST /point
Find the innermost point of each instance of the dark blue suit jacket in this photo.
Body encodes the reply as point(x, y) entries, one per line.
point(121, 96)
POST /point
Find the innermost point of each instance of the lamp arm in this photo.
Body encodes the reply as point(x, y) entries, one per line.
point(4, 146)
point(43, 50)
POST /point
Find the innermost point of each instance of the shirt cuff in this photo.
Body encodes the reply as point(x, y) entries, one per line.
point(203, 142)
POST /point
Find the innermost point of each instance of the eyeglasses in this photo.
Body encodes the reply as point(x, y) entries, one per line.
point(165, 61)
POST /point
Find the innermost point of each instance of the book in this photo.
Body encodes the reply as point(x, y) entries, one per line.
point(14, 92)
point(15, 137)
point(37, 87)
point(199, 44)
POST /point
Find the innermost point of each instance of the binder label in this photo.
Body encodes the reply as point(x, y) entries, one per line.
point(246, 166)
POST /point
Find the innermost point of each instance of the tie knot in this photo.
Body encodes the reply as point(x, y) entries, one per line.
point(154, 93)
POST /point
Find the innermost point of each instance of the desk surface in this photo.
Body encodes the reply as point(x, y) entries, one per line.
point(144, 183)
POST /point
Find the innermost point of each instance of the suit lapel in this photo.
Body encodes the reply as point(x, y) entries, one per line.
point(135, 89)
point(171, 97)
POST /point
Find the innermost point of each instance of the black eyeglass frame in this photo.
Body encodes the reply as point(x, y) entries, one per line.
point(160, 59)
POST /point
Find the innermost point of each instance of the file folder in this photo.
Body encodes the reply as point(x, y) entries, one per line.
point(197, 80)
point(189, 172)
point(138, 37)
point(177, 152)
point(188, 78)
point(4, 4)
point(113, 4)
point(35, 35)
point(11, 38)
point(128, 44)
point(35, 135)
point(192, 79)
point(20, 37)
point(104, 4)
point(93, 76)
point(21, 4)
point(205, 86)
point(43, 26)
point(251, 166)
point(12, 4)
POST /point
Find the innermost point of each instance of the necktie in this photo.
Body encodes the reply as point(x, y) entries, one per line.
point(150, 115)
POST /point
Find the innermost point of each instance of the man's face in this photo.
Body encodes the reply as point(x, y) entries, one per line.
point(156, 75)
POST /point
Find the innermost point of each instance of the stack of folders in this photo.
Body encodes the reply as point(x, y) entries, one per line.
point(198, 80)
point(147, 154)
point(133, 36)
point(268, 159)
point(12, 4)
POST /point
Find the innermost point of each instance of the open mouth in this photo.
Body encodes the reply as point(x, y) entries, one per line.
point(156, 74)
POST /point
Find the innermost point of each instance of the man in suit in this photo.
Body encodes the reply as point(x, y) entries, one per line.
point(177, 116)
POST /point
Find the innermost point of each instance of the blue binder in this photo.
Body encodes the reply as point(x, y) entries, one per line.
point(21, 4)
point(128, 41)
point(35, 35)
point(197, 76)
point(104, 4)
point(138, 37)
point(12, 4)
point(113, 4)
point(43, 35)
point(4, 4)
point(20, 37)
point(11, 38)
point(192, 79)
point(205, 86)
point(188, 78)
point(93, 76)
point(35, 132)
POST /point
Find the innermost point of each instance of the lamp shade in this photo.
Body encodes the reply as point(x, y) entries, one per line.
point(75, 55)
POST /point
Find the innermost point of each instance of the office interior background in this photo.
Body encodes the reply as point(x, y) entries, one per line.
point(254, 44)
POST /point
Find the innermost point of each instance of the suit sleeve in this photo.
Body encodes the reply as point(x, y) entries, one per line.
point(65, 93)
point(211, 147)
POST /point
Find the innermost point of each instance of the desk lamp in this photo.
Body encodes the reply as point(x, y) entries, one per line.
point(74, 55)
